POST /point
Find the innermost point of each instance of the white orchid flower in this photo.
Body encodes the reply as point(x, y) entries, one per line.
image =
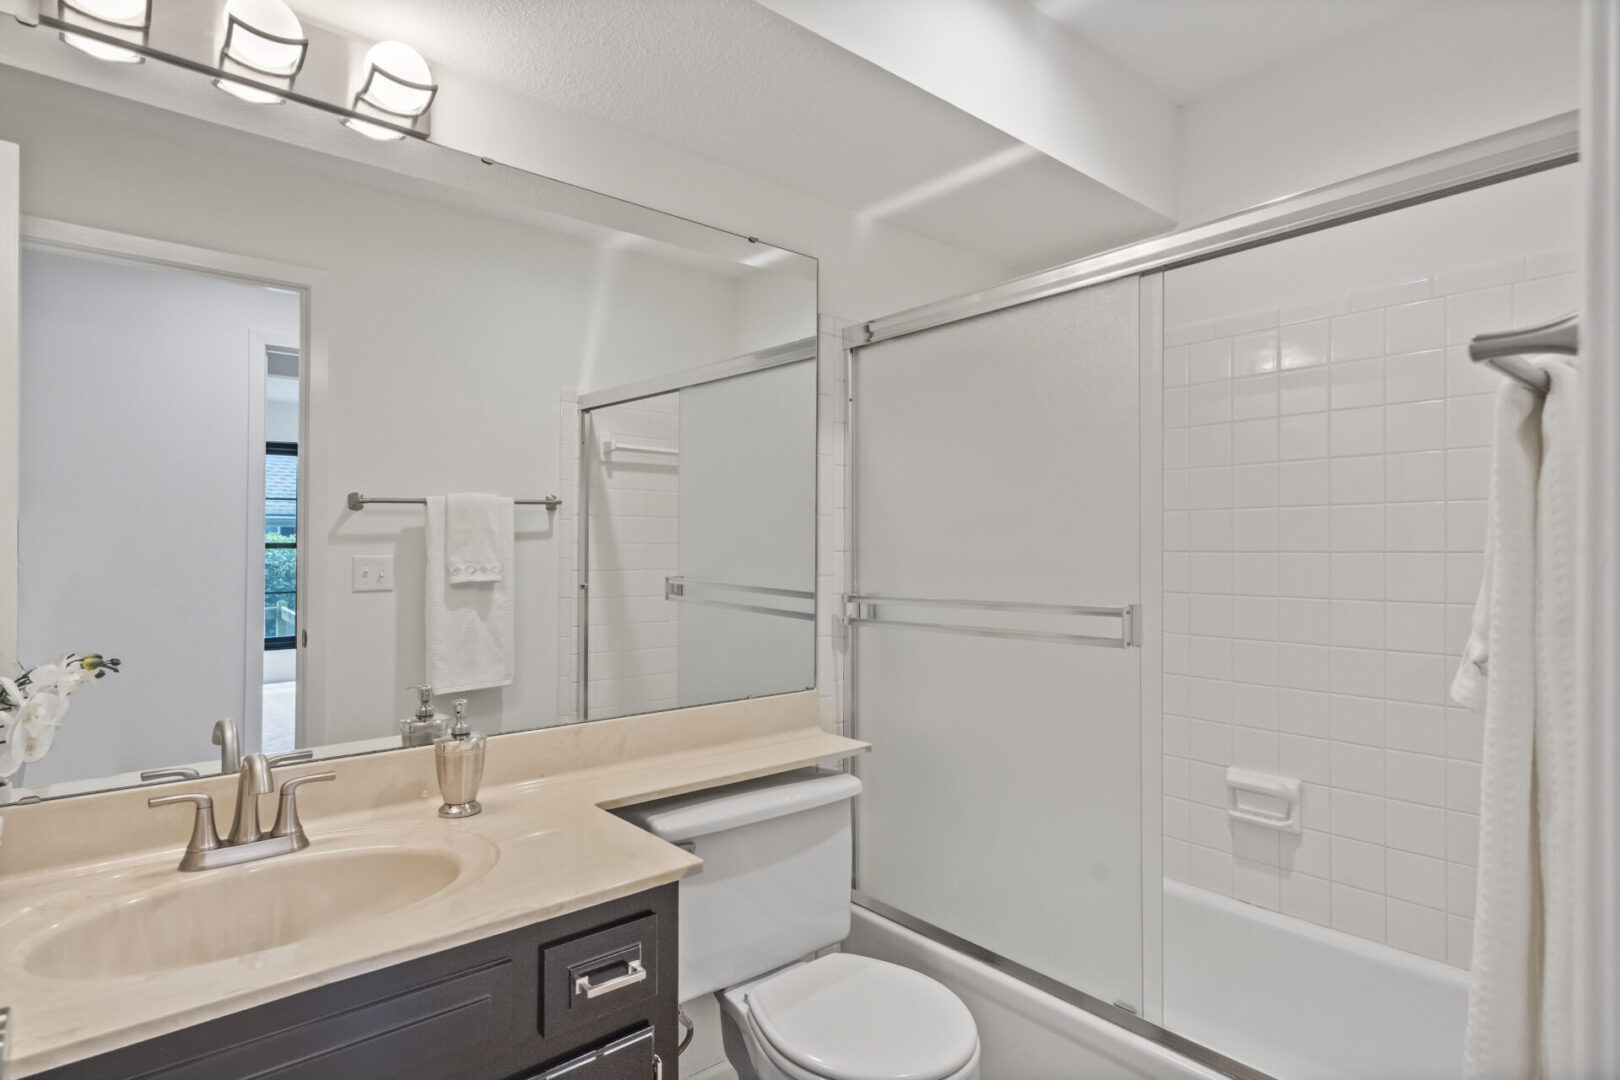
point(71, 679)
point(44, 677)
point(11, 748)
point(37, 721)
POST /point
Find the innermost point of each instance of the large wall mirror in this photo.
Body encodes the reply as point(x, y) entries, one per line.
point(231, 318)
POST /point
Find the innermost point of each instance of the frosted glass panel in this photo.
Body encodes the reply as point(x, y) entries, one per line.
point(996, 460)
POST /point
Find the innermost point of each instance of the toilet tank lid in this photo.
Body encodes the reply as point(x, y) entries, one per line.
point(702, 813)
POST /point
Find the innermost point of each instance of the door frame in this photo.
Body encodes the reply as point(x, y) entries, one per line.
point(314, 288)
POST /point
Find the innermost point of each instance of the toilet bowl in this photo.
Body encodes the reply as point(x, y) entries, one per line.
point(773, 890)
point(847, 1017)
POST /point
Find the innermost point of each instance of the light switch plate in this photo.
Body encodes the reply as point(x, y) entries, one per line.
point(373, 573)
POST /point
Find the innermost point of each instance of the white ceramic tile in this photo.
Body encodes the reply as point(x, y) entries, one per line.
point(1256, 883)
point(1254, 441)
point(1419, 778)
point(1463, 572)
point(1176, 856)
point(1254, 354)
point(1358, 671)
point(1417, 425)
point(1468, 473)
point(1209, 658)
point(1356, 384)
point(1358, 815)
point(1502, 272)
point(1461, 887)
point(1254, 662)
point(1254, 573)
point(1303, 711)
point(1414, 627)
point(1303, 344)
point(1465, 525)
point(1177, 531)
point(1306, 897)
point(1415, 677)
point(1418, 729)
point(1210, 530)
point(1307, 483)
point(1418, 376)
point(1209, 488)
point(1462, 786)
point(1209, 403)
point(1358, 527)
point(1413, 327)
point(1465, 734)
point(1459, 941)
point(1210, 869)
point(1209, 572)
point(1548, 263)
point(1176, 408)
point(1254, 705)
point(1357, 624)
point(1207, 614)
point(1357, 431)
point(1304, 436)
point(1175, 571)
point(1470, 420)
point(1358, 479)
point(1304, 667)
point(1253, 530)
point(1210, 444)
point(1416, 929)
point(1416, 526)
point(1176, 441)
point(1304, 528)
point(1210, 361)
point(1254, 617)
point(1357, 576)
point(1304, 622)
point(1477, 312)
point(1314, 310)
point(1464, 376)
point(1244, 323)
point(1356, 337)
point(1175, 612)
point(1188, 333)
point(1304, 758)
point(1304, 574)
point(1420, 829)
point(1356, 719)
point(1209, 742)
point(1415, 577)
point(1358, 912)
point(1358, 768)
point(1254, 397)
point(1358, 863)
point(1254, 486)
point(1254, 748)
point(1301, 391)
point(1416, 477)
point(1546, 299)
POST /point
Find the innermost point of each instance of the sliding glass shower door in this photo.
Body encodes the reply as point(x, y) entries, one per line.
point(994, 600)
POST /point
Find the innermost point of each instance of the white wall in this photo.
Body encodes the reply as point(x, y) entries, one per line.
point(1411, 87)
point(136, 528)
point(1326, 453)
point(452, 336)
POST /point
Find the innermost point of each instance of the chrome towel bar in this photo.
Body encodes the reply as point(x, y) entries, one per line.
point(358, 501)
point(712, 593)
point(1505, 350)
point(869, 609)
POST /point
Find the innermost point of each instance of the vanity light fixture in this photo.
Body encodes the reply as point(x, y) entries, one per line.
point(264, 42)
point(397, 88)
point(126, 20)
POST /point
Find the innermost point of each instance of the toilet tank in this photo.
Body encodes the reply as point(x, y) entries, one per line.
point(775, 881)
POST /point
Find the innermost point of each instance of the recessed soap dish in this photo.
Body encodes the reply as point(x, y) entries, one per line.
point(1263, 799)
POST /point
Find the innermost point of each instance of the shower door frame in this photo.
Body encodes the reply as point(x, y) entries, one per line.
point(1521, 151)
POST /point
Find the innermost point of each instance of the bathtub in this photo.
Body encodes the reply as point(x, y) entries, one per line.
point(1286, 997)
point(1303, 1002)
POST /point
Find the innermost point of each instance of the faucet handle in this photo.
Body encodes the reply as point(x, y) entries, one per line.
point(290, 759)
point(168, 774)
point(287, 823)
point(203, 835)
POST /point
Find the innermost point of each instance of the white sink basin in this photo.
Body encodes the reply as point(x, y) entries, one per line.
point(188, 919)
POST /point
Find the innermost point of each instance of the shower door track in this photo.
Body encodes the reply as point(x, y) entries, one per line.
point(1117, 1015)
point(1545, 144)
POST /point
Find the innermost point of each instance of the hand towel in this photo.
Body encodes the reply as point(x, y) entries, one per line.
point(477, 545)
point(1518, 667)
point(469, 627)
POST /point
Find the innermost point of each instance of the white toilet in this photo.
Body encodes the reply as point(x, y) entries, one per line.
point(774, 889)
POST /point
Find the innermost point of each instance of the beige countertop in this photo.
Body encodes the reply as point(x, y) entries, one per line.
point(544, 846)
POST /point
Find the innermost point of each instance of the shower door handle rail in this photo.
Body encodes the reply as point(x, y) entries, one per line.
point(714, 593)
point(870, 609)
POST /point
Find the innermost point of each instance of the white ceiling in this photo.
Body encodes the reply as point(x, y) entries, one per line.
point(1189, 48)
point(737, 84)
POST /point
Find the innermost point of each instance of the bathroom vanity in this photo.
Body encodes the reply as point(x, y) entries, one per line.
point(589, 995)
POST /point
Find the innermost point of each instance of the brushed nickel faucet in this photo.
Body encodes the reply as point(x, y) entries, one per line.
point(246, 841)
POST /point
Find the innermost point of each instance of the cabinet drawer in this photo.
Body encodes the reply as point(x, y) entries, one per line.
point(599, 974)
point(629, 1057)
point(428, 1033)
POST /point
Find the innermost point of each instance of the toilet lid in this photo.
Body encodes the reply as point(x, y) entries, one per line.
point(848, 1017)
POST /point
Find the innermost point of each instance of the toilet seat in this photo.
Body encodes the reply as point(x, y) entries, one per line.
point(848, 1017)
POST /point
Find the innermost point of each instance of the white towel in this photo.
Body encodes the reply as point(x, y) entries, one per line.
point(1519, 665)
point(478, 537)
point(469, 627)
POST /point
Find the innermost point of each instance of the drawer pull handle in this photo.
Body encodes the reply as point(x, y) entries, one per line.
point(584, 987)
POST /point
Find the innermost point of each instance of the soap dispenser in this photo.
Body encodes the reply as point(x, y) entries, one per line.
point(459, 760)
point(426, 726)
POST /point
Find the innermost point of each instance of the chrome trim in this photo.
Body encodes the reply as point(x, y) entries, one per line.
point(357, 501)
point(636, 973)
point(1531, 148)
point(775, 356)
point(5, 1022)
point(864, 609)
point(1506, 349)
point(151, 775)
point(1117, 1015)
point(682, 589)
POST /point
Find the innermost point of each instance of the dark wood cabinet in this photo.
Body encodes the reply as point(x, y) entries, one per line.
point(590, 995)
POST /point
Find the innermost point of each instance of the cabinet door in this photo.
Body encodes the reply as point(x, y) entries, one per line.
point(628, 1058)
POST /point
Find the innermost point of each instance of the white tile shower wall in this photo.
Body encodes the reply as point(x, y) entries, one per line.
point(634, 516)
point(1325, 478)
